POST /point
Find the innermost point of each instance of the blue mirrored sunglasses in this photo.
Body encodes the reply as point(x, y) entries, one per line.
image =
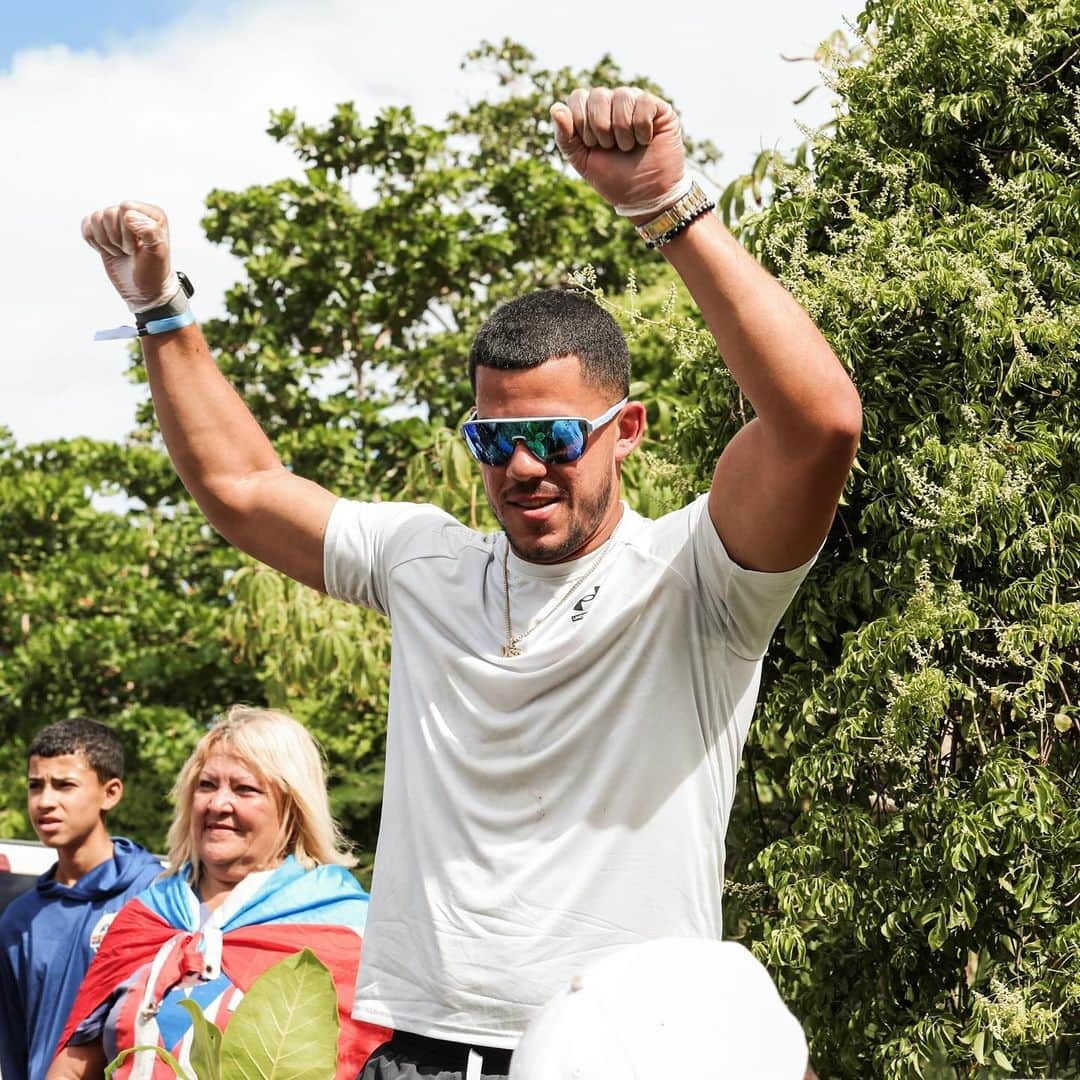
point(555, 440)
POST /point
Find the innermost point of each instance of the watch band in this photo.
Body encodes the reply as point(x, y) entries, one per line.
point(672, 221)
point(177, 305)
point(163, 326)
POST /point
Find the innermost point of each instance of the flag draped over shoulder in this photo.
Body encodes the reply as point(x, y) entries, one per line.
point(156, 953)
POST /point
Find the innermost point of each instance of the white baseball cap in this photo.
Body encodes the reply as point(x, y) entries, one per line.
point(671, 1007)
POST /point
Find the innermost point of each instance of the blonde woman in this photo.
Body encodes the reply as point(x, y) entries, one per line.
point(257, 871)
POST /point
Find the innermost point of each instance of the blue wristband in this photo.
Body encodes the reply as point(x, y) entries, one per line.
point(163, 326)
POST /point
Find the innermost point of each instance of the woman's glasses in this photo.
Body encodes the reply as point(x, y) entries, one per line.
point(555, 440)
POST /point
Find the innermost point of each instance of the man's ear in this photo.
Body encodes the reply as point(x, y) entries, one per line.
point(114, 792)
point(631, 430)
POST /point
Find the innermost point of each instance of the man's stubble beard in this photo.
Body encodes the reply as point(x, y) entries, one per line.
point(584, 521)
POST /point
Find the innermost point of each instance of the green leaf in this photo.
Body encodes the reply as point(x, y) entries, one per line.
point(205, 1044)
point(1003, 1061)
point(286, 1025)
point(161, 1053)
point(978, 1048)
point(938, 933)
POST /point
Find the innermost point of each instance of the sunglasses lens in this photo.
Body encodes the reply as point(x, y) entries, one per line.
point(500, 444)
point(536, 435)
point(567, 441)
point(552, 441)
point(480, 440)
point(492, 443)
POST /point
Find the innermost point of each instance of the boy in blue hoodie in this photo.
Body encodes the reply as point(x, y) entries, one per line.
point(49, 935)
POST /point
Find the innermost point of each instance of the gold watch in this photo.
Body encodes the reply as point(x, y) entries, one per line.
point(668, 224)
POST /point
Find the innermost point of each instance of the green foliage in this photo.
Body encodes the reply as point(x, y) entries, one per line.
point(164, 1055)
point(115, 616)
point(904, 848)
point(285, 1027)
point(205, 1056)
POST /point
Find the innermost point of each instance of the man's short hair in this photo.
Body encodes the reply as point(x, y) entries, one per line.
point(549, 324)
point(97, 743)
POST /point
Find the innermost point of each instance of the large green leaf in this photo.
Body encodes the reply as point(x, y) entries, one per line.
point(286, 1028)
point(205, 1045)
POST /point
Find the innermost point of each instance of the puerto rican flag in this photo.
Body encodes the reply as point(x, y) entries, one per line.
point(160, 949)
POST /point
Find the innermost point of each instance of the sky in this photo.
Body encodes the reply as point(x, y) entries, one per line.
point(116, 99)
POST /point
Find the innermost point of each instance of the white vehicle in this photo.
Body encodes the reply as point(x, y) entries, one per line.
point(21, 863)
point(27, 856)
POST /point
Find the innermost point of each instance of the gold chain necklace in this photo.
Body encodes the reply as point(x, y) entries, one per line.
point(511, 648)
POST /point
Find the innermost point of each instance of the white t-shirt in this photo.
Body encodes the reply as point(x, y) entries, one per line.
point(542, 810)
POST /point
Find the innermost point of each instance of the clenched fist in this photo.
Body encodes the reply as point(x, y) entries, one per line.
point(133, 242)
point(626, 143)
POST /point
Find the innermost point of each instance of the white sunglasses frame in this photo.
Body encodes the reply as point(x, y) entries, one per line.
point(590, 426)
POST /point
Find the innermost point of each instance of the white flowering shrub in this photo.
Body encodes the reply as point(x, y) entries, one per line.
point(905, 850)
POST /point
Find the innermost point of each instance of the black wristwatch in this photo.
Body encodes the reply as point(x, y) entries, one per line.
point(176, 306)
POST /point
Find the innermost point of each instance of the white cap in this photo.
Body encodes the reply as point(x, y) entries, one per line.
point(671, 1007)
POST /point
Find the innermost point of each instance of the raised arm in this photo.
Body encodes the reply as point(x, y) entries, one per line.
point(778, 481)
point(216, 445)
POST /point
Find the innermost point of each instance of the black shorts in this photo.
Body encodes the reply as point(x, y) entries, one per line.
point(416, 1057)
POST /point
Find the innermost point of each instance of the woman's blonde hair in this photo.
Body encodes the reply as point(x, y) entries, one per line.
point(283, 754)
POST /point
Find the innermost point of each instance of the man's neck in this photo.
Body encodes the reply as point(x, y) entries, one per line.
point(74, 863)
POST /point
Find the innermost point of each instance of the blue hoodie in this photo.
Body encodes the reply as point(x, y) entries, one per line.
point(48, 936)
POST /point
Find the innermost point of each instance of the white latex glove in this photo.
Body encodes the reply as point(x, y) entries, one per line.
point(132, 239)
point(627, 143)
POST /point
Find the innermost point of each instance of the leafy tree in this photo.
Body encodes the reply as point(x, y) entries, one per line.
point(905, 844)
point(115, 616)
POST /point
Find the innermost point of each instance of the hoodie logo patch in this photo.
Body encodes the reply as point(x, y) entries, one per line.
point(97, 935)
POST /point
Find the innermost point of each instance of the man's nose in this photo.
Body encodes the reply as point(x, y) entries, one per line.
point(523, 464)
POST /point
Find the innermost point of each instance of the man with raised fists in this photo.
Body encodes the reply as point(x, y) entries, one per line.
point(569, 696)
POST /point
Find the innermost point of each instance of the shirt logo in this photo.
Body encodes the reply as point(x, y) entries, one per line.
point(581, 608)
point(97, 935)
